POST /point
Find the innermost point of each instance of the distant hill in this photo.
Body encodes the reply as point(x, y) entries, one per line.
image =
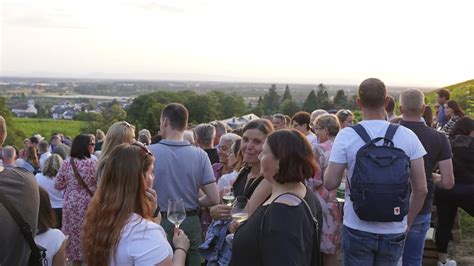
point(462, 92)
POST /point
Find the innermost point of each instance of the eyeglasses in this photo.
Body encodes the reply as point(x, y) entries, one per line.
point(143, 148)
point(92, 144)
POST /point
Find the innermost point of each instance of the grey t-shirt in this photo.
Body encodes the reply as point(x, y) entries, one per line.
point(21, 189)
point(180, 170)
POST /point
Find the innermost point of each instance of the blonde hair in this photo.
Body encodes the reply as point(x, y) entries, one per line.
point(329, 121)
point(118, 133)
point(412, 101)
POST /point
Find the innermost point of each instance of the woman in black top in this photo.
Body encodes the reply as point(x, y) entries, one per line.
point(249, 182)
point(462, 194)
point(282, 231)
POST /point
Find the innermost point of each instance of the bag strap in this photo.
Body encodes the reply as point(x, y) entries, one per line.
point(360, 130)
point(392, 128)
point(79, 178)
point(316, 244)
point(25, 228)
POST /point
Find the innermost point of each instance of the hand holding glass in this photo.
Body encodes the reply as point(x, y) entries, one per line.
point(239, 213)
point(176, 212)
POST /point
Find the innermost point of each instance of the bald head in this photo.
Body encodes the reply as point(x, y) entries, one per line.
point(372, 93)
point(412, 102)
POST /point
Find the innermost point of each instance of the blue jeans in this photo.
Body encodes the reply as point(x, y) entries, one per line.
point(364, 248)
point(415, 243)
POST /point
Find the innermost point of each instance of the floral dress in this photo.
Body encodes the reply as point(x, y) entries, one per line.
point(332, 210)
point(76, 201)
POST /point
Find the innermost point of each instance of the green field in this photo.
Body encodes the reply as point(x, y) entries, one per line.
point(45, 127)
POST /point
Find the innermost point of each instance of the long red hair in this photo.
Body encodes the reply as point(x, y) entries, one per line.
point(121, 192)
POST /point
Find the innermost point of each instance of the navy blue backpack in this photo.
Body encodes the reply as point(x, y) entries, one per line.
point(379, 187)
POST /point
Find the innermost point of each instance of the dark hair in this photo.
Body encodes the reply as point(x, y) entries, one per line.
point(177, 116)
point(80, 147)
point(463, 126)
point(34, 140)
point(390, 105)
point(302, 118)
point(372, 93)
point(296, 159)
point(236, 145)
point(46, 216)
point(263, 125)
point(237, 154)
point(428, 115)
point(443, 93)
point(156, 138)
point(455, 106)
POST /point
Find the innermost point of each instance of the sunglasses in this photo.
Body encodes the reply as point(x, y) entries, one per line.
point(346, 112)
point(92, 144)
point(143, 148)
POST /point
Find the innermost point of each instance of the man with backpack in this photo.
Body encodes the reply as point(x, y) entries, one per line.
point(382, 160)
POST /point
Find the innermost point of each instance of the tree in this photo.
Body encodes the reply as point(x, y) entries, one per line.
point(323, 98)
point(289, 107)
point(286, 94)
point(311, 102)
point(340, 100)
point(201, 109)
point(271, 101)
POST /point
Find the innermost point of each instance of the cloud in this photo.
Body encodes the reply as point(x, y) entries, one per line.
point(39, 21)
point(154, 6)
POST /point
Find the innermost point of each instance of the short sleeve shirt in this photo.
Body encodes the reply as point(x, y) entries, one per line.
point(142, 242)
point(344, 151)
point(180, 170)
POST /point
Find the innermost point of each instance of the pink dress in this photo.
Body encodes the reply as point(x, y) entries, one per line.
point(76, 201)
point(332, 211)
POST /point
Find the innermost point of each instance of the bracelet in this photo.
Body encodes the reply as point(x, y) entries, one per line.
point(156, 213)
point(178, 248)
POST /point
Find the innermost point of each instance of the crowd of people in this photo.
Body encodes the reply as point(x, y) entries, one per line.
point(317, 188)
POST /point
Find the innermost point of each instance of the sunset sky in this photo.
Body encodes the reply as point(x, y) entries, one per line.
point(419, 43)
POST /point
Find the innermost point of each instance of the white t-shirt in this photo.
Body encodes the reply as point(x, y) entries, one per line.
point(51, 240)
point(43, 158)
point(227, 180)
point(344, 150)
point(55, 196)
point(142, 242)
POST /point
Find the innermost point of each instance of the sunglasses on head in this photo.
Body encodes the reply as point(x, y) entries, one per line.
point(143, 148)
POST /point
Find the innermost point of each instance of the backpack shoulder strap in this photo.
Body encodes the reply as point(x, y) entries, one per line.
point(360, 130)
point(392, 128)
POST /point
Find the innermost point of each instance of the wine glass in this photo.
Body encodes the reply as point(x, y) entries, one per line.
point(239, 213)
point(228, 196)
point(176, 212)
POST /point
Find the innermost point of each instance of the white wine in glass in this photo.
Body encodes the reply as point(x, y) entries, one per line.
point(176, 212)
point(239, 213)
point(228, 196)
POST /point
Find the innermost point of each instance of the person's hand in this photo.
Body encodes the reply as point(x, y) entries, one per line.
point(152, 197)
point(180, 239)
point(233, 226)
point(220, 212)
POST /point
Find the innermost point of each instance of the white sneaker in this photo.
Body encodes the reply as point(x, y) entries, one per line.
point(449, 262)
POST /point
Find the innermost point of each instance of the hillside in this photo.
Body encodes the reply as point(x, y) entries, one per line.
point(462, 92)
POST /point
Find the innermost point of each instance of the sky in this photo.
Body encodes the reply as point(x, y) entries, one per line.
point(404, 42)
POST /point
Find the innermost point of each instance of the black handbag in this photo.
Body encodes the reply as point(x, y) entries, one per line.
point(38, 253)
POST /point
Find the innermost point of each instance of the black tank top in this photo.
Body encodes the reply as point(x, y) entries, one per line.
point(244, 188)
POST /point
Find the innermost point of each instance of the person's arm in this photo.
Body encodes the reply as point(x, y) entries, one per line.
point(446, 177)
point(261, 193)
point(419, 188)
point(333, 175)
point(60, 182)
point(59, 258)
point(211, 195)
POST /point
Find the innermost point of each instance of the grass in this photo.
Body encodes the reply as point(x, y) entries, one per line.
point(45, 127)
